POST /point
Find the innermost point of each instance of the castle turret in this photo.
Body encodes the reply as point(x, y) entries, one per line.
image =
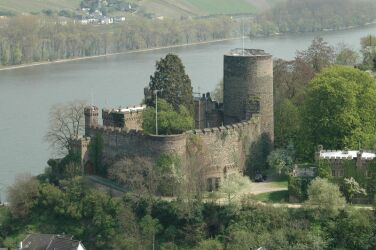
point(248, 87)
point(91, 118)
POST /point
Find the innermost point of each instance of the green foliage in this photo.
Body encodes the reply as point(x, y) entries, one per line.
point(209, 245)
point(298, 187)
point(96, 155)
point(287, 123)
point(149, 228)
point(170, 175)
point(65, 168)
point(170, 77)
point(368, 44)
point(352, 188)
point(346, 56)
point(170, 121)
point(232, 184)
point(354, 230)
point(338, 110)
point(22, 195)
point(325, 198)
point(296, 16)
point(281, 161)
point(27, 38)
point(323, 169)
point(257, 157)
point(104, 222)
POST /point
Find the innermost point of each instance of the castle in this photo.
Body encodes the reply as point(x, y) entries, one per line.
point(227, 130)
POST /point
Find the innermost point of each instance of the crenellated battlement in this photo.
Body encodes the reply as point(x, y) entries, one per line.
point(225, 129)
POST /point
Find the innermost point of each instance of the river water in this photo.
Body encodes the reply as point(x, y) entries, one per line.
point(27, 94)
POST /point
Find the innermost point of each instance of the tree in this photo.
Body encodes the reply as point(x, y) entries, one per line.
point(287, 123)
point(170, 77)
point(233, 184)
point(319, 55)
point(137, 174)
point(324, 170)
point(209, 245)
point(351, 188)
point(66, 124)
point(281, 161)
point(170, 121)
point(368, 51)
point(96, 154)
point(22, 195)
point(346, 55)
point(339, 109)
point(217, 94)
point(149, 227)
point(258, 154)
point(169, 174)
point(325, 197)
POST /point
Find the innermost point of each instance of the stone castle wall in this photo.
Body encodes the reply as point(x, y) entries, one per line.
point(226, 147)
point(122, 142)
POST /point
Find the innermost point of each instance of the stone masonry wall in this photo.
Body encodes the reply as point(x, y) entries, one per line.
point(226, 147)
point(248, 89)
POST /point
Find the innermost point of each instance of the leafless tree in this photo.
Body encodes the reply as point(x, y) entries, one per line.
point(136, 173)
point(66, 123)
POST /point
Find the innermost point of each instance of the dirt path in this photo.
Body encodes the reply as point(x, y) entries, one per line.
point(265, 187)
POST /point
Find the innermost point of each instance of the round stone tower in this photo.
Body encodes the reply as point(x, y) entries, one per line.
point(248, 87)
point(91, 118)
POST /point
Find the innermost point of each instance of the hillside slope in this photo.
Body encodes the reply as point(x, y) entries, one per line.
point(27, 6)
point(168, 8)
point(176, 8)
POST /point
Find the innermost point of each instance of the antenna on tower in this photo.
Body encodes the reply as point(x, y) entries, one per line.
point(243, 35)
point(92, 98)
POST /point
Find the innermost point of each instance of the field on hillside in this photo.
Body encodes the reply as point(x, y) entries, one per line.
point(223, 6)
point(27, 6)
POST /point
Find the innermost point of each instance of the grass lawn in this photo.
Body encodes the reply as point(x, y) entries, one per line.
point(223, 6)
point(274, 197)
point(27, 6)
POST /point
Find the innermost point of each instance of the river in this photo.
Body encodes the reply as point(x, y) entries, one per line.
point(27, 94)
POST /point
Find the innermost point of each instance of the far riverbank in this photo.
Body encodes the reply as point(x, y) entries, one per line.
point(27, 65)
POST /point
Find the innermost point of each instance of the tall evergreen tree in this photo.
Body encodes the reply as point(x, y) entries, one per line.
point(171, 77)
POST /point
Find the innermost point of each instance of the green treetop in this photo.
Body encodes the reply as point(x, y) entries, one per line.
point(169, 120)
point(171, 77)
point(339, 109)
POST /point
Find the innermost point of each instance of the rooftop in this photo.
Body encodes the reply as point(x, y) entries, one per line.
point(247, 52)
point(127, 109)
point(50, 242)
point(346, 154)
